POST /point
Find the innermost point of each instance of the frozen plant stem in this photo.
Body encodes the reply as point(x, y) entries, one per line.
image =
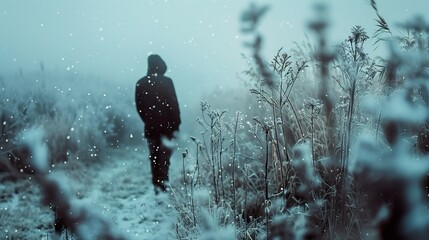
point(266, 129)
point(192, 202)
point(233, 165)
point(213, 163)
point(213, 157)
point(184, 154)
point(378, 127)
point(312, 139)
point(220, 168)
point(198, 164)
point(246, 190)
point(266, 163)
point(184, 178)
point(278, 147)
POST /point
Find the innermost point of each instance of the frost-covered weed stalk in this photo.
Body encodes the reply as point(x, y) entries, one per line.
point(354, 72)
point(213, 125)
point(205, 211)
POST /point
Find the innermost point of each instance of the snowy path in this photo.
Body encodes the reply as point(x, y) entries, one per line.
point(122, 191)
point(118, 188)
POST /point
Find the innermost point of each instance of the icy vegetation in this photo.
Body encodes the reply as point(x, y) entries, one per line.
point(322, 143)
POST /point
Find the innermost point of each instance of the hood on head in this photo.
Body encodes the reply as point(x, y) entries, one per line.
point(156, 65)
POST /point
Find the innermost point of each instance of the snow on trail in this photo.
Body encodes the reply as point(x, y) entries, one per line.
point(123, 192)
point(118, 188)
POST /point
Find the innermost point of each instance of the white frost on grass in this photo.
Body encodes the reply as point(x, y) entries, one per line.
point(33, 140)
point(202, 196)
point(212, 230)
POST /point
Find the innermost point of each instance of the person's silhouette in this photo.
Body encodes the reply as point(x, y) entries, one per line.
point(157, 106)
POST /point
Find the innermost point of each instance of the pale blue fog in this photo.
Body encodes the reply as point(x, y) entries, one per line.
point(200, 40)
point(195, 119)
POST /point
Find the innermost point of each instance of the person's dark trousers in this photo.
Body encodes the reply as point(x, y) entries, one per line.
point(160, 163)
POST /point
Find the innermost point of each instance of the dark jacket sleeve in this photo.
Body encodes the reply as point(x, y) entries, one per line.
point(139, 98)
point(175, 111)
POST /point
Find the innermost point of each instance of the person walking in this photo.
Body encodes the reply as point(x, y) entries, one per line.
point(157, 106)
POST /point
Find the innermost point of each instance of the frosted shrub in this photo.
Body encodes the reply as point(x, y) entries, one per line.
point(81, 117)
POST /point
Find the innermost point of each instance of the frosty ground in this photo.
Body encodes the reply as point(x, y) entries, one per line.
point(119, 188)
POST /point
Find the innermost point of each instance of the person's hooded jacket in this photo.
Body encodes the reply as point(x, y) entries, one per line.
point(156, 101)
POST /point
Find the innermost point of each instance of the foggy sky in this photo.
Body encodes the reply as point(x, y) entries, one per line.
point(200, 40)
